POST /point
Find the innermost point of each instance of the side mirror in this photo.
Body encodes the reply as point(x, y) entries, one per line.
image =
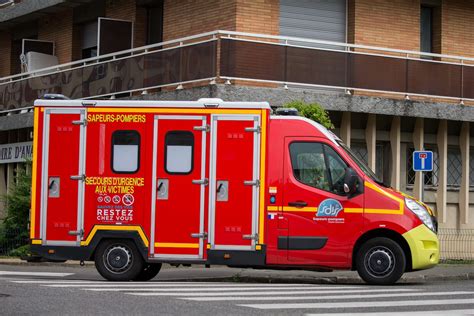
point(351, 181)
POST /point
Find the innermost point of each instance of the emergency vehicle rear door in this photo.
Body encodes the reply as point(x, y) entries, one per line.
point(62, 183)
point(234, 181)
point(179, 188)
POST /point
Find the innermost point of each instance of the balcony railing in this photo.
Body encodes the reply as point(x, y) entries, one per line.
point(225, 55)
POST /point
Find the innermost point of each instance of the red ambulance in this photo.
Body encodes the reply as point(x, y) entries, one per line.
point(134, 184)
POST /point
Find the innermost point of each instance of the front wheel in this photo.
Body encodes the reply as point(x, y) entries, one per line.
point(118, 260)
point(380, 261)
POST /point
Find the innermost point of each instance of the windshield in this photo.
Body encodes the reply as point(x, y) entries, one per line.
point(368, 172)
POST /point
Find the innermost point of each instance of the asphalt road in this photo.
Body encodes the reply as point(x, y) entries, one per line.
point(59, 290)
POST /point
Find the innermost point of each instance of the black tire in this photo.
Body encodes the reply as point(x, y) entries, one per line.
point(118, 260)
point(380, 261)
point(149, 271)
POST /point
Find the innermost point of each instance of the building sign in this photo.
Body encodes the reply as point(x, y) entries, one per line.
point(15, 152)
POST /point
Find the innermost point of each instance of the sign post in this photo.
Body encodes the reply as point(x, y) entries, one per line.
point(422, 161)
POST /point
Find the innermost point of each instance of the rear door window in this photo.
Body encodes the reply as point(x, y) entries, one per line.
point(179, 152)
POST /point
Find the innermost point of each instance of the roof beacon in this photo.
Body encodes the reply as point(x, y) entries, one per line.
point(211, 102)
point(286, 111)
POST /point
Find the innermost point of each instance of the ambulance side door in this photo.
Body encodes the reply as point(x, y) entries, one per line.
point(322, 219)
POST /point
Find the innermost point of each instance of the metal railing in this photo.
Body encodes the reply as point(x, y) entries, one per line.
point(251, 57)
point(456, 245)
point(180, 61)
point(12, 239)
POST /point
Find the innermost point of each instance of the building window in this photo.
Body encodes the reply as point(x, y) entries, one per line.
point(471, 168)
point(426, 29)
point(360, 150)
point(89, 39)
point(318, 166)
point(125, 151)
point(179, 147)
point(454, 167)
point(430, 177)
point(155, 23)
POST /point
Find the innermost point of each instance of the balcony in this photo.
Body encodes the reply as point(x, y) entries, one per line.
point(252, 59)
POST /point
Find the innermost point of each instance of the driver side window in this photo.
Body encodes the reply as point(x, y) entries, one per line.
point(318, 166)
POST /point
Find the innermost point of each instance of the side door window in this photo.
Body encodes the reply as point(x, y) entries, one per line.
point(318, 166)
point(337, 170)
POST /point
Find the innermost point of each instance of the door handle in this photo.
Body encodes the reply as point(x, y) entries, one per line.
point(298, 204)
point(79, 232)
point(201, 181)
point(80, 177)
point(199, 235)
point(252, 183)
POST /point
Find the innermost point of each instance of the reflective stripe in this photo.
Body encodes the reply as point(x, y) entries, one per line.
point(138, 229)
point(176, 245)
point(33, 174)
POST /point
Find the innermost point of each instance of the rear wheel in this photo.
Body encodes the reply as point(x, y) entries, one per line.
point(380, 261)
point(149, 271)
point(118, 260)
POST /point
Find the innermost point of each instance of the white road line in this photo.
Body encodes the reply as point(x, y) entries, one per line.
point(260, 293)
point(451, 312)
point(163, 283)
point(359, 304)
point(320, 298)
point(23, 273)
point(205, 289)
point(194, 286)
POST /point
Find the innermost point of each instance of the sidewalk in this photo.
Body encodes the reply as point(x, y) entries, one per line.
point(442, 272)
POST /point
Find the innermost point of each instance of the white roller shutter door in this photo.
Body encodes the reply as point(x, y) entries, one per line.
point(314, 19)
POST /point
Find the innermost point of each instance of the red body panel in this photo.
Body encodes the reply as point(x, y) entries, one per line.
point(178, 216)
point(63, 161)
point(116, 198)
point(234, 163)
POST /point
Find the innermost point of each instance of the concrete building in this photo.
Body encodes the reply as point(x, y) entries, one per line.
point(395, 75)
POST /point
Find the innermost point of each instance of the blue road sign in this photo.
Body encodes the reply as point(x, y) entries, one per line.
point(423, 160)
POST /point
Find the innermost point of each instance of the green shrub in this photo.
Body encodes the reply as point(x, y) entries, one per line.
point(313, 111)
point(20, 251)
point(14, 229)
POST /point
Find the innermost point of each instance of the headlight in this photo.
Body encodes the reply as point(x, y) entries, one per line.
point(421, 212)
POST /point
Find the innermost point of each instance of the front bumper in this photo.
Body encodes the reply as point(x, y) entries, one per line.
point(424, 246)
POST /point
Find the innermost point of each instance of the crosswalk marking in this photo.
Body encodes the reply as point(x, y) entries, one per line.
point(25, 273)
point(325, 297)
point(359, 304)
point(204, 287)
point(213, 289)
point(259, 293)
point(163, 283)
point(271, 297)
point(451, 312)
point(207, 289)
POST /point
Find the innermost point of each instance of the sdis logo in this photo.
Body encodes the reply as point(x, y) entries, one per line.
point(329, 208)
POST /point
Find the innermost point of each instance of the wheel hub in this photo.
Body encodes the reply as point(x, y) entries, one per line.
point(380, 261)
point(117, 259)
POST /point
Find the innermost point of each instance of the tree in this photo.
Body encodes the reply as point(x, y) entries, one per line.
point(313, 111)
point(14, 231)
